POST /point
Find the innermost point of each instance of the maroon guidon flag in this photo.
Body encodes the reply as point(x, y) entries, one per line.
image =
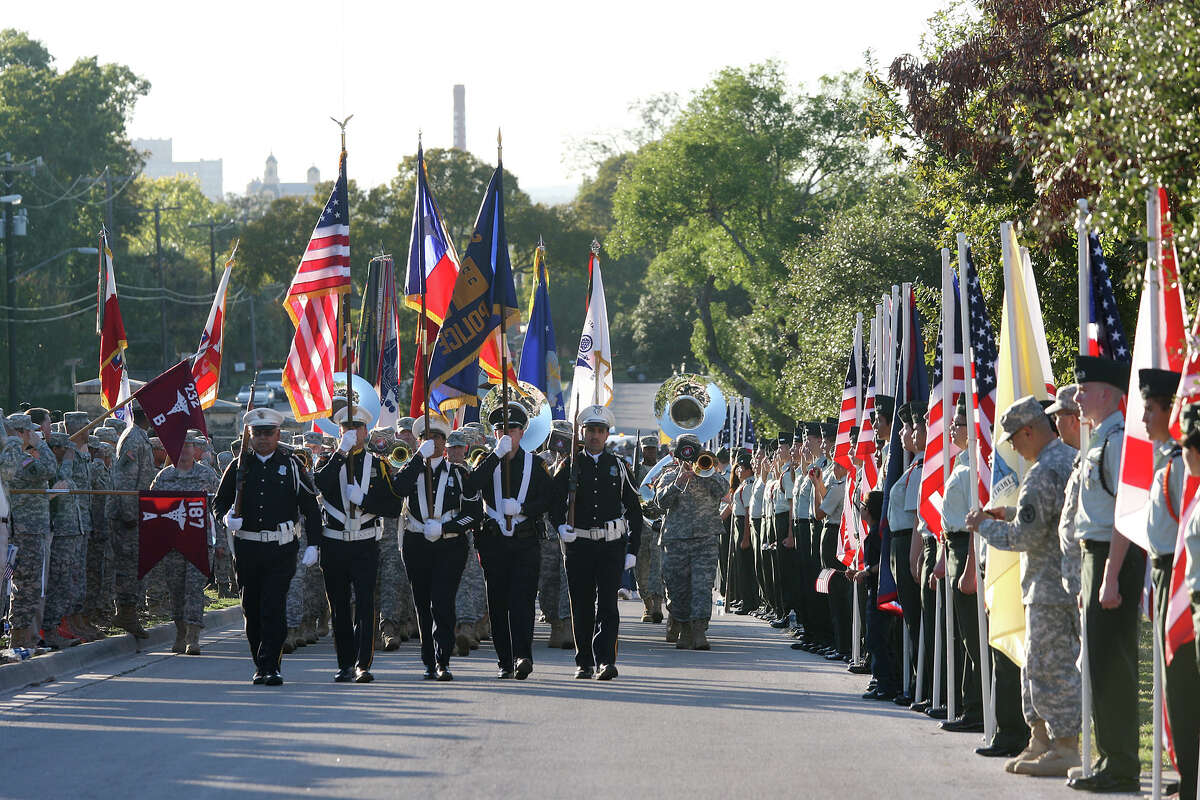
point(173, 406)
point(172, 521)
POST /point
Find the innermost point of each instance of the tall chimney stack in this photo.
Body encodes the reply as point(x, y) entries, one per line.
point(460, 116)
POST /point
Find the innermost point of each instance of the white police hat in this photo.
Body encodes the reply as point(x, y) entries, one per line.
point(263, 418)
point(596, 415)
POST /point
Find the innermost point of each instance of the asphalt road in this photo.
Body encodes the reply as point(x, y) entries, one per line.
point(751, 718)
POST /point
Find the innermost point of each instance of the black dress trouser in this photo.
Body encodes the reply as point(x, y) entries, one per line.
point(593, 577)
point(264, 570)
point(434, 571)
point(351, 565)
point(510, 572)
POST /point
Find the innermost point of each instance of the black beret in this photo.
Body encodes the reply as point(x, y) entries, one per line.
point(1158, 382)
point(1102, 370)
point(885, 406)
point(829, 429)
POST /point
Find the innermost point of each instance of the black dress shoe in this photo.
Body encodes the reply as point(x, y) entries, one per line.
point(779, 623)
point(443, 674)
point(884, 695)
point(504, 674)
point(869, 694)
point(1105, 782)
point(920, 707)
point(798, 646)
point(523, 668)
point(1001, 750)
point(274, 678)
point(858, 669)
point(429, 674)
point(259, 678)
point(902, 700)
point(962, 725)
point(606, 673)
point(343, 675)
point(834, 656)
point(583, 672)
point(363, 676)
point(936, 713)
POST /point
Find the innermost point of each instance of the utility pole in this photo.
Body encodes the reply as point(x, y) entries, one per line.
point(10, 171)
point(253, 338)
point(213, 227)
point(162, 278)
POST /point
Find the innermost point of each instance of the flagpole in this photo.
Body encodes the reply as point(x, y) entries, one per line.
point(422, 324)
point(949, 414)
point(1081, 230)
point(1154, 257)
point(901, 308)
point(503, 329)
point(985, 660)
point(855, 621)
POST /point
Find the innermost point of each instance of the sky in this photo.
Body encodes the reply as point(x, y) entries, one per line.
point(237, 81)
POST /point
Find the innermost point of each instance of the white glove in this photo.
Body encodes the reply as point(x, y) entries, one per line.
point(234, 524)
point(354, 494)
point(510, 507)
point(503, 446)
point(566, 533)
point(426, 448)
point(433, 529)
point(630, 560)
point(349, 439)
point(310, 556)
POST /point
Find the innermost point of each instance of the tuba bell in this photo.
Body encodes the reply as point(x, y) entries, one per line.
point(399, 456)
point(536, 408)
point(690, 404)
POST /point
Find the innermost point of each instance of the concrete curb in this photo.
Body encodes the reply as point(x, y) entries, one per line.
point(38, 670)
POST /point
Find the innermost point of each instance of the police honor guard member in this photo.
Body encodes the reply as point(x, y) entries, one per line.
point(690, 532)
point(1111, 580)
point(600, 542)
point(355, 494)
point(275, 493)
point(509, 544)
point(435, 540)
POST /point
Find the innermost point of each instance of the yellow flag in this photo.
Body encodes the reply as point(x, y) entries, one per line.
point(1023, 369)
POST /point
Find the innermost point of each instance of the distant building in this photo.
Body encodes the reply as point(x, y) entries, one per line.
point(270, 182)
point(160, 163)
point(460, 116)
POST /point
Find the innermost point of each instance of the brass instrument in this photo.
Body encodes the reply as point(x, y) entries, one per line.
point(398, 456)
point(706, 465)
point(476, 454)
point(306, 458)
point(690, 404)
point(537, 408)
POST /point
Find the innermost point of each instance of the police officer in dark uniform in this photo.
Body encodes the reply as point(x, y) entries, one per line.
point(600, 539)
point(437, 517)
point(261, 498)
point(355, 493)
point(510, 543)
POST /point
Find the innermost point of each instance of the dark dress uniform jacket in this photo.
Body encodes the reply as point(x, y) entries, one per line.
point(604, 493)
point(276, 491)
point(380, 500)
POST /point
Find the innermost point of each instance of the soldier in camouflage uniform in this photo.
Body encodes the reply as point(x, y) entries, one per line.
point(553, 598)
point(73, 422)
point(648, 570)
point(185, 583)
point(27, 463)
point(222, 558)
point(393, 593)
point(690, 532)
point(156, 595)
point(1050, 682)
point(132, 470)
point(97, 601)
point(470, 603)
point(67, 554)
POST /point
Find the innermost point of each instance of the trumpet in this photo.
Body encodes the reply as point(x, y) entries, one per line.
point(706, 465)
point(399, 456)
point(306, 458)
point(476, 454)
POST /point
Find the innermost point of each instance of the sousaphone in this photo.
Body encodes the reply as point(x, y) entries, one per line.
point(535, 405)
point(690, 404)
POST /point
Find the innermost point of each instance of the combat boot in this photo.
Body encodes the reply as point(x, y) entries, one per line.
point(92, 629)
point(699, 640)
point(1055, 762)
point(21, 637)
point(483, 628)
point(672, 629)
point(1039, 742)
point(462, 641)
point(390, 635)
point(289, 640)
point(656, 613)
point(646, 615)
point(308, 632)
point(323, 623)
point(71, 626)
point(683, 640)
point(58, 639)
point(127, 621)
point(192, 640)
point(181, 638)
point(556, 633)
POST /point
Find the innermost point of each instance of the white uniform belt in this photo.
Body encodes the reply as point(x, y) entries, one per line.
point(285, 534)
point(413, 525)
point(353, 535)
point(611, 531)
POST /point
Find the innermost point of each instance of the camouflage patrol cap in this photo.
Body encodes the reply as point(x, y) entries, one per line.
point(224, 459)
point(107, 449)
point(313, 437)
point(1025, 411)
point(75, 421)
point(458, 438)
point(116, 424)
point(20, 422)
point(107, 435)
point(648, 441)
point(94, 441)
point(58, 439)
point(405, 424)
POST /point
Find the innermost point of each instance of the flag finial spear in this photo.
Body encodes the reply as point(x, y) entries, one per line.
point(541, 244)
point(342, 126)
point(595, 247)
point(499, 147)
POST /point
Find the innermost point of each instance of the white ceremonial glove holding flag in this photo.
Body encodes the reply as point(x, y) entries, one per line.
point(354, 494)
point(433, 529)
point(566, 533)
point(510, 507)
point(503, 446)
point(310, 556)
point(630, 560)
point(426, 449)
point(349, 439)
point(234, 524)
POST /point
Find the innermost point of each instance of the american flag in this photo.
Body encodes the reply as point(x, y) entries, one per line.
point(933, 482)
point(1179, 630)
point(312, 303)
point(864, 450)
point(848, 418)
point(1106, 337)
point(983, 368)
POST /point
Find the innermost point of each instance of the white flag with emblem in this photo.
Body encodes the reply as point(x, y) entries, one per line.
point(592, 383)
